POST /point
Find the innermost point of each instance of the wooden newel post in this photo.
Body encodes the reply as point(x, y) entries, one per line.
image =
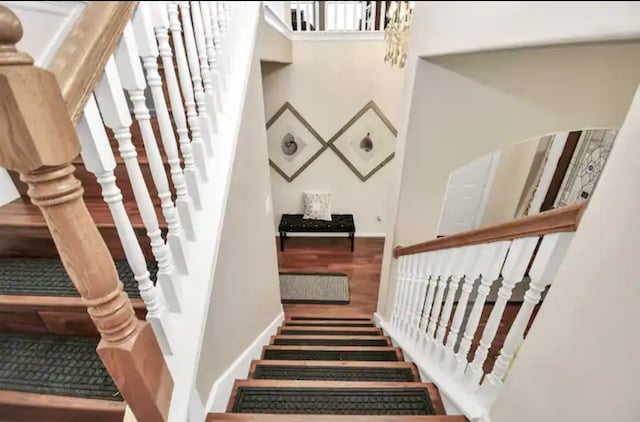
point(38, 139)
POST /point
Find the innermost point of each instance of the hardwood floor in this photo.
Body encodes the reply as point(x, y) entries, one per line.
point(332, 254)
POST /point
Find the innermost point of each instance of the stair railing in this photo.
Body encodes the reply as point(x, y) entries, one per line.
point(441, 292)
point(103, 81)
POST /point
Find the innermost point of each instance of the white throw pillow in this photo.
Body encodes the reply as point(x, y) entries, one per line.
point(317, 206)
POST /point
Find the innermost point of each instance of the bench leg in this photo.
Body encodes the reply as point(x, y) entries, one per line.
point(352, 236)
point(283, 236)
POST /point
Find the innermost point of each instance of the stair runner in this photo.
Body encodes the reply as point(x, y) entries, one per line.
point(334, 367)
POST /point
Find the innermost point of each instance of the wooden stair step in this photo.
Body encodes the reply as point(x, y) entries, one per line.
point(253, 417)
point(334, 371)
point(331, 397)
point(341, 353)
point(329, 323)
point(323, 331)
point(28, 407)
point(288, 340)
point(312, 318)
point(25, 233)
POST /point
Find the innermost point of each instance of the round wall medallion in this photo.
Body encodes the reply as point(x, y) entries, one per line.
point(366, 144)
point(289, 144)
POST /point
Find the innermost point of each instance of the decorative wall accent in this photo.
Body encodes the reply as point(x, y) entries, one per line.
point(365, 143)
point(586, 166)
point(293, 143)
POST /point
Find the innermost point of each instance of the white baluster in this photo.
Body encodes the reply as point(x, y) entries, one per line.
point(442, 279)
point(98, 159)
point(211, 89)
point(406, 311)
point(223, 62)
point(422, 280)
point(404, 297)
point(412, 310)
point(316, 16)
point(399, 287)
point(515, 266)
point(471, 270)
point(206, 103)
point(224, 35)
point(186, 184)
point(132, 78)
point(547, 260)
point(218, 79)
point(455, 267)
point(197, 141)
point(115, 114)
point(491, 259)
point(433, 259)
point(383, 11)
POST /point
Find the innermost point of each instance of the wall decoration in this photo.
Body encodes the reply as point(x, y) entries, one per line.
point(293, 144)
point(366, 142)
point(585, 166)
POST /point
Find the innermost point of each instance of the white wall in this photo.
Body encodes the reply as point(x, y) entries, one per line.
point(468, 105)
point(443, 27)
point(583, 337)
point(328, 82)
point(282, 9)
point(246, 293)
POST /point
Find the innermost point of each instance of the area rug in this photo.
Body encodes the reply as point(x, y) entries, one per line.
point(314, 288)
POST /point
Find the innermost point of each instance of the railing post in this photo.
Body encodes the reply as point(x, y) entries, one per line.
point(38, 140)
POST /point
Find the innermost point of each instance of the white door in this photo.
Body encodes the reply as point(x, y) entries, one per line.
point(466, 196)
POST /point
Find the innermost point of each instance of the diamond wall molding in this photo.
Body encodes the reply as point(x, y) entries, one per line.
point(334, 142)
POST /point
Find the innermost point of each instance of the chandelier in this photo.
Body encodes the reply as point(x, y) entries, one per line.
point(396, 34)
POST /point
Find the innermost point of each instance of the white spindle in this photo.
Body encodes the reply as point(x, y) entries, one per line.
point(409, 280)
point(491, 260)
point(433, 259)
point(404, 297)
point(98, 159)
point(455, 267)
point(212, 93)
point(316, 15)
point(197, 141)
point(218, 80)
point(383, 11)
point(221, 59)
point(515, 266)
point(224, 33)
point(363, 16)
point(186, 184)
point(413, 298)
point(205, 102)
point(471, 269)
point(116, 115)
point(442, 278)
point(422, 280)
point(298, 16)
point(343, 10)
point(132, 78)
point(547, 260)
point(401, 287)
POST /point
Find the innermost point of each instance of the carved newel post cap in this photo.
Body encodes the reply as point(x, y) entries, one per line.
point(10, 35)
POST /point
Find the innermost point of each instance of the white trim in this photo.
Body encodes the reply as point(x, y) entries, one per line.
point(196, 407)
point(488, 186)
point(273, 19)
point(358, 234)
point(467, 403)
point(337, 35)
point(239, 369)
point(555, 152)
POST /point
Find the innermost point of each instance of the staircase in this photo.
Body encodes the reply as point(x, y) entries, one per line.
point(333, 370)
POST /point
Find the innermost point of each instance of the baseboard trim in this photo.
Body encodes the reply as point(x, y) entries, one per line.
point(239, 369)
point(358, 234)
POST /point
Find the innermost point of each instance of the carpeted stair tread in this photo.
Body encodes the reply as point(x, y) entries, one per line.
point(52, 364)
point(337, 323)
point(335, 398)
point(330, 331)
point(47, 277)
point(249, 417)
point(330, 340)
point(303, 318)
point(334, 371)
point(340, 353)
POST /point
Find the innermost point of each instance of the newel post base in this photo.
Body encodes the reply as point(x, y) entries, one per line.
point(139, 370)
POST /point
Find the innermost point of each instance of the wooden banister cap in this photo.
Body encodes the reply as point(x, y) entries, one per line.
point(10, 34)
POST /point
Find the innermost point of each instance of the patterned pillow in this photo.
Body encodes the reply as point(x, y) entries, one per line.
point(317, 206)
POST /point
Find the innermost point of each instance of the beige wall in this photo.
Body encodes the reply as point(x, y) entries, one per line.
point(273, 46)
point(509, 182)
point(328, 82)
point(580, 359)
point(462, 107)
point(246, 294)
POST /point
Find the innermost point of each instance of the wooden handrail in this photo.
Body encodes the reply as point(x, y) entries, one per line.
point(565, 219)
point(80, 60)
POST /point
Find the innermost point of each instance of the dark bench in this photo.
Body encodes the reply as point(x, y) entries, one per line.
point(294, 223)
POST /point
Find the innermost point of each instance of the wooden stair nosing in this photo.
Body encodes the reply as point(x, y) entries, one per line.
point(374, 331)
point(334, 364)
point(255, 417)
point(346, 317)
point(432, 390)
point(346, 337)
point(398, 350)
point(18, 406)
point(328, 323)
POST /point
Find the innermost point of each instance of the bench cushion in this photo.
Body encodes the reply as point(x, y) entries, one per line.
point(338, 223)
